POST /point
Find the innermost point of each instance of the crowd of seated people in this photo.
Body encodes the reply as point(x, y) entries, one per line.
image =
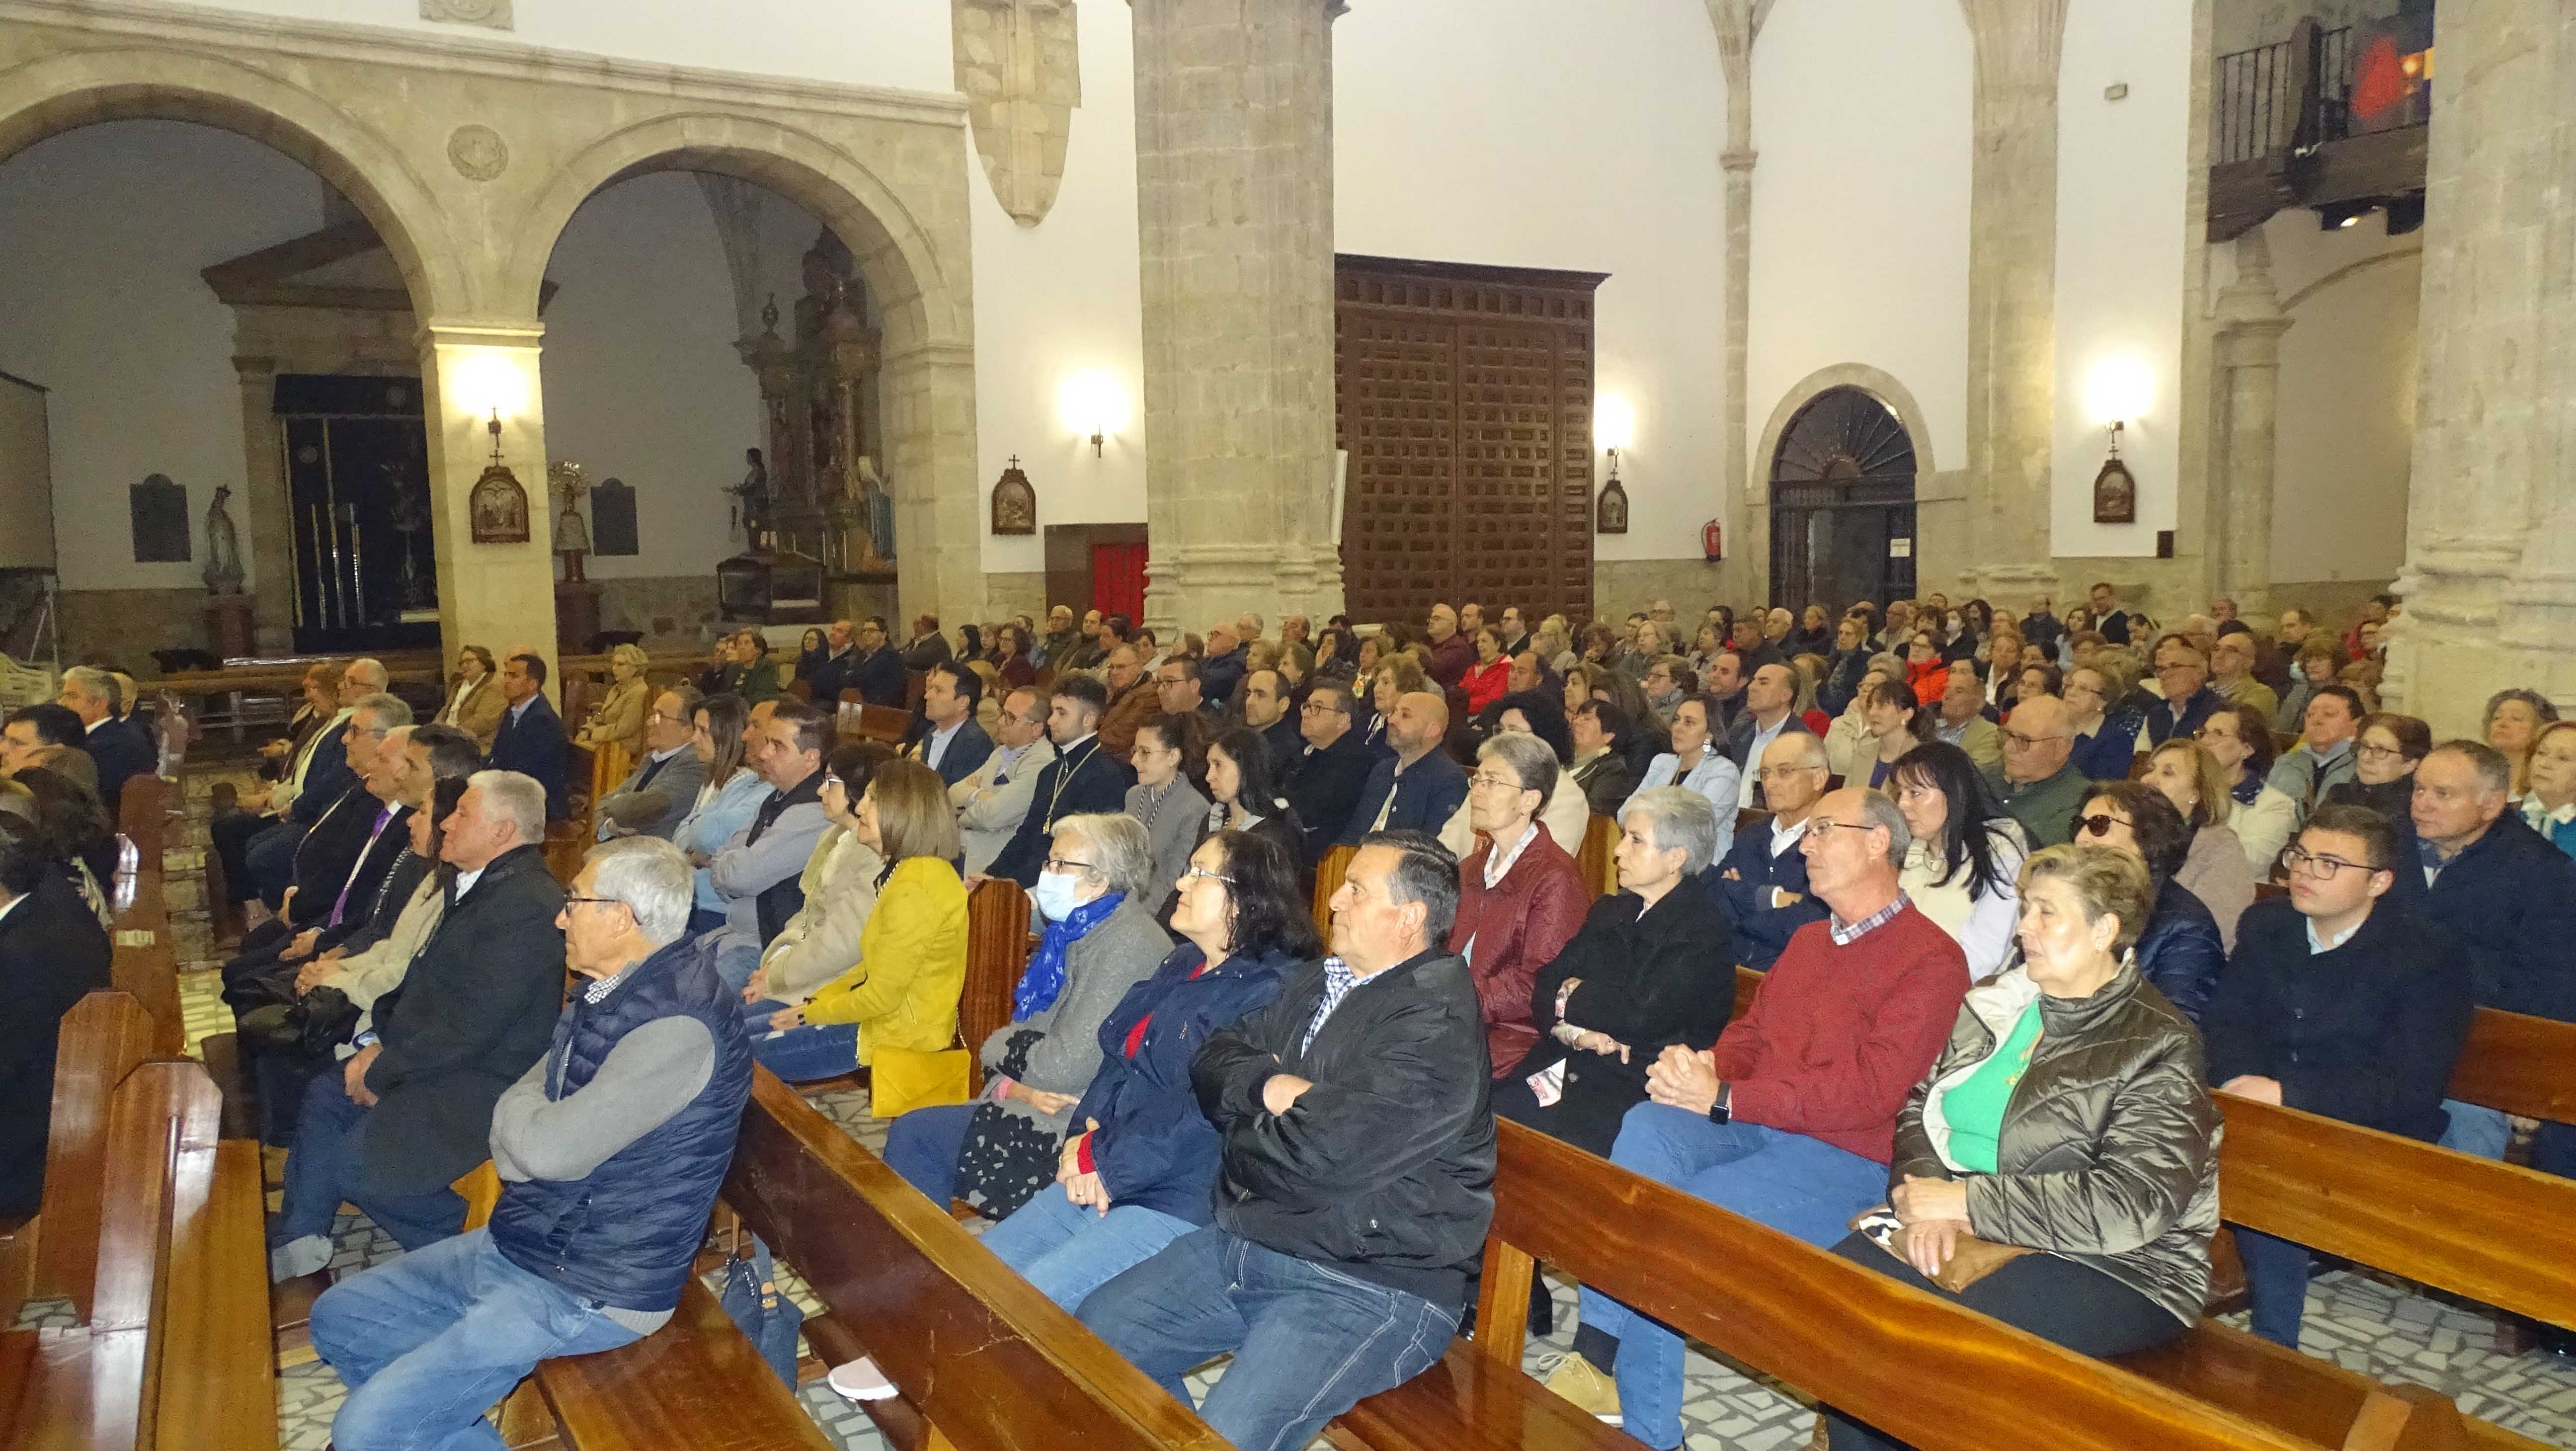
point(1966, 846)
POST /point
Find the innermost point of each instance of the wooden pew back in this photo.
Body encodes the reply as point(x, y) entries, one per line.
point(990, 1362)
point(1599, 872)
point(997, 952)
point(1830, 1327)
point(104, 1038)
point(2519, 1064)
point(1329, 871)
point(144, 962)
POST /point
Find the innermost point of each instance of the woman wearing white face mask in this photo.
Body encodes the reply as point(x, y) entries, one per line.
point(1100, 940)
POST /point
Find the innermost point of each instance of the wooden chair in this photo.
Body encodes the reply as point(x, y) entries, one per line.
point(997, 952)
point(1334, 865)
point(1593, 862)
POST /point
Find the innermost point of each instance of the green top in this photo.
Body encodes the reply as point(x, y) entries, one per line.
point(1975, 1105)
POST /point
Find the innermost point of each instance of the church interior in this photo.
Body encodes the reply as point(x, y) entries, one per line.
point(880, 372)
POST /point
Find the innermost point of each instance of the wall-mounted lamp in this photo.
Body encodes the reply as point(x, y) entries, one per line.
point(1092, 406)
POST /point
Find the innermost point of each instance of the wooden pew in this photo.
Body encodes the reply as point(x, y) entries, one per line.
point(143, 819)
point(977, 1353)
point(173, 1352)
point(145, 962)
point(104, 1037)
point(997, 952)
point(1599, 872)
point(1941, 1377)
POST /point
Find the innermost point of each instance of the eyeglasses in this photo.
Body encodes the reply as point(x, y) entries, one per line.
point(1499, 783)
point(1202, 874)
point(2099, 823)
point(2323, 868)
point(2015, 738)
point(1821, 827)
point(2367, 749)
point(1060, 864)
point(1782, 773)
point(829, 781)
point(601, 901)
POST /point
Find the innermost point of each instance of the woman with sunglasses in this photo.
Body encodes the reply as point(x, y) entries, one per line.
point(2240, 741)
point(2179, 950)
point(2215, 871)
point(1140, 1169)
point(1966, 853)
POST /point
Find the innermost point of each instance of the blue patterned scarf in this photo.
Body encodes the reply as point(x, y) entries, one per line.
point(1044, 981)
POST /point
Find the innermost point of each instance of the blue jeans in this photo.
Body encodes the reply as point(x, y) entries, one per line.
point(323, 1168)
point(2553, 1150)
point(1802, 1187)
point(923, 1146)
point(1068, 1251)
point(805, 1052)
point(1309, 1341)
point(427, 1342)
point(2475, 1130)
point(2276, 1281)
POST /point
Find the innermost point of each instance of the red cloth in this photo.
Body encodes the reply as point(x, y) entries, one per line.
point(1930, 682)
point(1840, 1035)
point(1486, 684)
point(1519, 927)
point(1817, 723)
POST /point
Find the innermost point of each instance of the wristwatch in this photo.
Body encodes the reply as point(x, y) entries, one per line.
point(1718, 1112)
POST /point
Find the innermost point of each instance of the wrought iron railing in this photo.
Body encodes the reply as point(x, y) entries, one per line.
point(2283, 96)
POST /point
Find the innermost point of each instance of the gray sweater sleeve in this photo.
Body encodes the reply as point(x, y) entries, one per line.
point(650, 1075)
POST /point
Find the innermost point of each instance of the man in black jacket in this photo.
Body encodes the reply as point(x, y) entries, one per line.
point(876, 671)
point(121, 751)
point(1082, 778)
point(927, 647)
point(413, 1110)
point(1326, 777)
point(342, 859)
point(52, 953)
point(1358, 1173)
point(531, 740)
point(2337, 1002)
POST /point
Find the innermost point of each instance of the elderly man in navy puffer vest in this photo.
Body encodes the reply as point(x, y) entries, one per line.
point(610, 1152)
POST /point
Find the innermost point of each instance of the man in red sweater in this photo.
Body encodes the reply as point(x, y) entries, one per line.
point(1790, 1119)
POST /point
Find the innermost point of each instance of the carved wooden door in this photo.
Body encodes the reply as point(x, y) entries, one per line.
point(1464, 399)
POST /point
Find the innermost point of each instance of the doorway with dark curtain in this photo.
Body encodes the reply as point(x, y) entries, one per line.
point(1842, 504)
point(357, 489)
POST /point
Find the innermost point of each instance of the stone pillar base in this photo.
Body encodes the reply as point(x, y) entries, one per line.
point(1193, 586)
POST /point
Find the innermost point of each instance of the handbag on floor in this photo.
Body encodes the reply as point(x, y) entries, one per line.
point(758, 1308)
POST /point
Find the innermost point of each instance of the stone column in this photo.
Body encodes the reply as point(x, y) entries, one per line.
point(2490, 575)
point(929, 395)
point(1234, 204)
point(1736, 23)
point(2012, 296)
point(2250, 324)
point(270, 545)
point(499, 596)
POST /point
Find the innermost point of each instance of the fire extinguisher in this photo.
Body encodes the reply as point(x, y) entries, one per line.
point(1712, 540)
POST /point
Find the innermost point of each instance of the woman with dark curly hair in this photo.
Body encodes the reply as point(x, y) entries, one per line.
point(2179, 950)
point(1139, 1169)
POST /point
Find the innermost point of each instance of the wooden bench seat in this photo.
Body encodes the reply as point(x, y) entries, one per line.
point(696, 1382)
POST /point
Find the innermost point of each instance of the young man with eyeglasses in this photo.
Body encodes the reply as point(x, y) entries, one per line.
point(1323, 779)
point(2337, 1002)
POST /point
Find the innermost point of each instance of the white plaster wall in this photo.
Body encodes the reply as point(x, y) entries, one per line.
point(859, 42)
point(2121, 175)
point(2345, 447)
point(1534, 133)
point(104, 230)
point(1061, 299)
point(1861, 116)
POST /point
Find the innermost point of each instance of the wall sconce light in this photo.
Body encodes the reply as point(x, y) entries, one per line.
point(1092, 406)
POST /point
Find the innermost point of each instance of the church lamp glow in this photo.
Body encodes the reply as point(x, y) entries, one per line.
point(1091, 403)
point(1614, 422)
point(2118, 389)
point(495, 380)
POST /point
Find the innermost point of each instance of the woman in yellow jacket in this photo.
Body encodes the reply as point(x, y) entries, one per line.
point(901, 997)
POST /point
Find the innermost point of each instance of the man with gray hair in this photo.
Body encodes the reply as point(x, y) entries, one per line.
point(1790, 1120)
point(1357, 1172)
point(120, 750)
point(610, 1150)
point(1761, 885)
point(412, 1111)
point(282, 861)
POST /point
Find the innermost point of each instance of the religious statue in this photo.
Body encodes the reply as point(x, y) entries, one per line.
point(876, 511)
point(751, 497)
point(223, 546)
point(572, 532)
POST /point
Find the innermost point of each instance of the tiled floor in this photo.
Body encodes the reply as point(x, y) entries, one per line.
point(2358, 1322)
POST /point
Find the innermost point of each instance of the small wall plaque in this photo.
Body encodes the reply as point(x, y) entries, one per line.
point(1610, 514)
point(2115, 495)
point(1015, 502)
point(612, 518)
point(160, 518)
point(500, 507)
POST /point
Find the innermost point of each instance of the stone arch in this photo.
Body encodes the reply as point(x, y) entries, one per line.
point(920, 288)
point(60, 93)
point(1878, 384)
point(922, 296)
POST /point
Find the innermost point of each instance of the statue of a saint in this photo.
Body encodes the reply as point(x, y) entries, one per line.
point(876, 512)
point(751, 510)
point(223, 547)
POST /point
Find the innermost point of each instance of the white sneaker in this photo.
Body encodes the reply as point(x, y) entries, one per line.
point(860, 1380)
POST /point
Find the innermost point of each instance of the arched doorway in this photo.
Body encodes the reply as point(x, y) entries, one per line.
point(1842, 503)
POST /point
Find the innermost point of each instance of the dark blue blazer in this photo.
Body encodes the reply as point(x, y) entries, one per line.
point(1426, 796)
point(1761, 930)
point(878, 678)
point(2508, 901)
point(535, 745)
point(121, 753)
point(966, 750)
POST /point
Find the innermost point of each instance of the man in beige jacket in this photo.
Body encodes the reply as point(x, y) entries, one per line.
point(993, 800)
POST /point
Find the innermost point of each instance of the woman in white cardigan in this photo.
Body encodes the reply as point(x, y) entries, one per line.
point(1966, 857)
point(821, 941)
